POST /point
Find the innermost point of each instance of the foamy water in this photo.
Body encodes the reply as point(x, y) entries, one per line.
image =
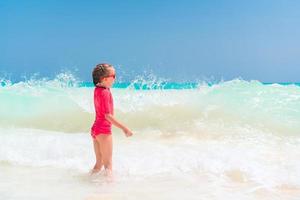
point(232, 140)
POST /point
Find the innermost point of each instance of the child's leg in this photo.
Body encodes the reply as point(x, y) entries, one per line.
point(99, 162)
point(106, 146)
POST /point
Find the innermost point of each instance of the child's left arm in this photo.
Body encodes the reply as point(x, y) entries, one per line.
point(118, 124)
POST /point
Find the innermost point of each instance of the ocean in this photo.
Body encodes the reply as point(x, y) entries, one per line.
point(228, 140)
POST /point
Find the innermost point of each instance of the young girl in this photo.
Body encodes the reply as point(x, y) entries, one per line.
point(103, 78)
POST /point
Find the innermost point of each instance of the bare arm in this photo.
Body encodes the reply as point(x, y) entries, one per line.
point(118, 124)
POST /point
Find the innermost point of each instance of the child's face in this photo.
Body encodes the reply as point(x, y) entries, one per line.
point(110, 79)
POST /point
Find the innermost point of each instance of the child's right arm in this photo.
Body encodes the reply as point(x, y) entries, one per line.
point(118, 124)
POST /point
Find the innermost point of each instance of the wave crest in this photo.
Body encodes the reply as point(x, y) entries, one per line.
point(63, 105)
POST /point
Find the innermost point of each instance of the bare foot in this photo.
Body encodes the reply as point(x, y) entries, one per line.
point(95, 171)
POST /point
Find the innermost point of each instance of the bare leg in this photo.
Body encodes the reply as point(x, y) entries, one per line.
point(99, 163)
point(106, 147)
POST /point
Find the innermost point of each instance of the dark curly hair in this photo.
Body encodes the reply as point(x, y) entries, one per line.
point(100, 71)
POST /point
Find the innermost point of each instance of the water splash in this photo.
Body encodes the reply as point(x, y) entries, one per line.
point(5, 82)
point(61, 80)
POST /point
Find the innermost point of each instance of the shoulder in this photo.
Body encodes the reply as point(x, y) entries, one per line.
point(102, 92)
point(105, 91)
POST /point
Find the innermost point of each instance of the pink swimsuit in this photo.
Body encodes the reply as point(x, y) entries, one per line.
point(103, 103)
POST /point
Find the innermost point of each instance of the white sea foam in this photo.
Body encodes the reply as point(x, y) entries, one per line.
point(266, 159)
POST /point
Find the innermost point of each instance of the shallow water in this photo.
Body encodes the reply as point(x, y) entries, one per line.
point(233, 140)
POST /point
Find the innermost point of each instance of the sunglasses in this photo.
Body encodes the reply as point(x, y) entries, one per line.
point(113, 76)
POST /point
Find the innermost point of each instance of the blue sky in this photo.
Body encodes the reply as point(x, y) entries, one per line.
point(179, 40)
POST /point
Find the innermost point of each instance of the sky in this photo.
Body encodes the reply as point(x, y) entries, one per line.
point(177, 40)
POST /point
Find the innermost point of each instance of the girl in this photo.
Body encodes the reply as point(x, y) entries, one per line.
point(103, 78)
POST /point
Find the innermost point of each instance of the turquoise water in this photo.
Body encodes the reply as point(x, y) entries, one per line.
point(164, 85)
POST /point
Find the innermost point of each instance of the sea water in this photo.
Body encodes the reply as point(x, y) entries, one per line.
point(230, 140)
